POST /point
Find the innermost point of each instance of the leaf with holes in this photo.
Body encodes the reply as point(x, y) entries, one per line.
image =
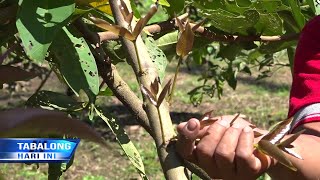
point(10, 74)
point(76, 63)
point(38, 22)
point(33, 122)
point(157, 56)
point(125, 143)
point(53, 100)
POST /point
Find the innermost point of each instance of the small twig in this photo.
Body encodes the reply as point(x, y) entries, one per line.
point(167, 26)
point(234, 119)
point(43, 81)
point(175, 79)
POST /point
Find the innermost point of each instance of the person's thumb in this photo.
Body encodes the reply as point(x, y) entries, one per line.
point(188, 133)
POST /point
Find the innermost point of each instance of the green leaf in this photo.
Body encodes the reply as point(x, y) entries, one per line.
point(106, 92)
point(125, 143)
point(230, 76)
point(167, 39)
point(157, 56)
point(176, 6)
point(315, 6)
point(298, 16)
point(269, 24)
point(39, 21)
point(208, 4)
point(135, 11)
point(231, 22)
point(76, 63)
point(115, 51)
point(163, 3)
point(243, 3)
point(273, 47)
point(230, 51)
point(270, 6)
point(53, 100)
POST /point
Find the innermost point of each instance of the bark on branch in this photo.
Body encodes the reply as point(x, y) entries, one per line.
point(112, 78)
point(170, 162)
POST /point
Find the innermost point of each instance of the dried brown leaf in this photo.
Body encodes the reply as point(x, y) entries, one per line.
point(272, 150)
point(292, 153)
point(278, 132)
point(149, 95)
point(252, 126)
point(33, 122)
point(143, 21)
point(195, 27)
point(234, 119)
point(290, 139)
point(257, 134)
point(10, 74)
point(123, 8)
point(121, 31)
point(129, 18)
point(155, 87)
point(180, 25)
point(185, 42)
point(206, 115)
point(207, 122)
point(164, 92)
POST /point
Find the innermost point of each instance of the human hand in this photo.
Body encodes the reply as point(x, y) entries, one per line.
point(223, 151)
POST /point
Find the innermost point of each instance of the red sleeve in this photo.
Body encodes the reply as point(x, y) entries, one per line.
point(305, 88)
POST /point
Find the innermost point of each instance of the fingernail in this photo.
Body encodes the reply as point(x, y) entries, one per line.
point(247, 129)
point(236, 126)
point(223, 123)
point(192, 125)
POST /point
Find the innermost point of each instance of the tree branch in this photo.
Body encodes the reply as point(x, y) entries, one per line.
point(170, 162)
point(170, 25)
point(112, 78)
